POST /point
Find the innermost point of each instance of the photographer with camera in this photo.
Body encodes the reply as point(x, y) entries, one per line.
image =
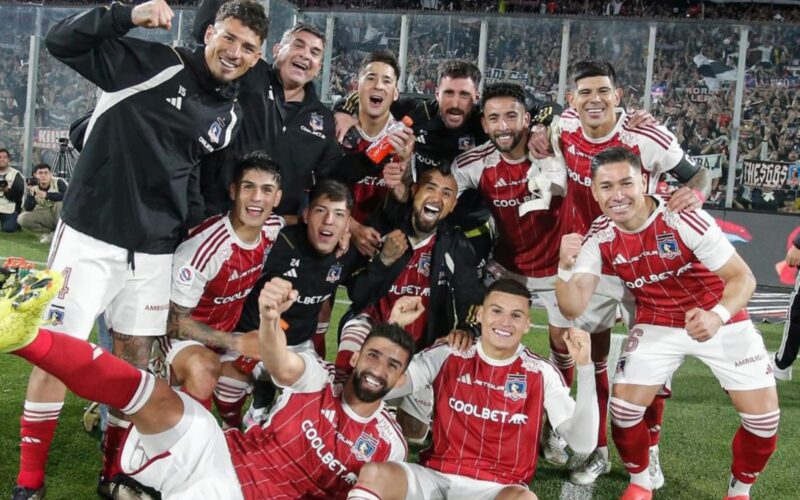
point(12, 187)
point(42, 204)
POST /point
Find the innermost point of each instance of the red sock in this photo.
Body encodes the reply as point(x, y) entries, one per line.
point(564, 363)
point(37, 427)
point(653, 417)
point(88, 371)
point(229, 396)
point(112, 441)
point(319, 338)
point(630, 435)
point(343, 367)
point(601, 385)
point(750, 454)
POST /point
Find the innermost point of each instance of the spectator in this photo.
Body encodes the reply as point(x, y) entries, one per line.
point(42, 203)
point(12, 187)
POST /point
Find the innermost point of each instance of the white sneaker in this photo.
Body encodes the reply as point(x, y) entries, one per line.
point(553, 446)
point(784, 374)
point(594, 467)
point(656, 475)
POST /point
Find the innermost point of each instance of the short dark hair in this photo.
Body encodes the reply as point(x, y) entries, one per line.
point(256, 160)
point(442, 168)
point(7, 152)
point(250, 13)
point(459, 68)
point(593, 67)
point(394, 334)
point(503, 89)
point(333, 190)
point(511, 287)
point(381, 56)
point(616, 154)
point(41, 166)
point(301, 27)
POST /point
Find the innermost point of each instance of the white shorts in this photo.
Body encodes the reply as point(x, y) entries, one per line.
point(428, 484)
point(198, 464)
point(605, 306)
point(418, 404)
point(736, 356)
point(97, 279)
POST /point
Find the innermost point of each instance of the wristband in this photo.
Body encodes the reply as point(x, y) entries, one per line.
point(564, 274)
point(700, 195)
point(722, 312)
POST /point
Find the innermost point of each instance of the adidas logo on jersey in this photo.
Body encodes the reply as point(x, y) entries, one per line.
point(329, 414)
point(501, 183)
point(291, 273)
point(465, 379)
point(175, 101)
point(619, 259)
point(234, 275)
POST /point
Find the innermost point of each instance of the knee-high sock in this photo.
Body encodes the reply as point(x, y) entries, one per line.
point(601, 386)
point(112, 440)
point(319, 339)
point(630, 435)
point(37, 427)
point(653, 417)
point(564, 363)
point(753, 444)
point(89, 371)
point(229, 396)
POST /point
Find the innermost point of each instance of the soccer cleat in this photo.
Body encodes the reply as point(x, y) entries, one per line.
point(124, 487)
point(22, 305)
point(784, 374)
point(22, 493)
point(554, 447)
point(654, 468)
point(595, 466)
point(636, 492)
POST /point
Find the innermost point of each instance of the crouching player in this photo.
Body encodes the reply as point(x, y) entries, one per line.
point(691, 289)
point(489, 405)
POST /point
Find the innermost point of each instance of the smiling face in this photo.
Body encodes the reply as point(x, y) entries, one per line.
point(377, 89)
point(506, 123)
point(595, 99)
point(504, 320)
point(298, 58)
point(434, 199)
point(327, 222)
point(619, 189)
point(231, 49)
point(254, 198)
point(377, 367)
point(456, 97)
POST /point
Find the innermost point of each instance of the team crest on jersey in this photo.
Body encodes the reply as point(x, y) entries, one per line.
point(316, 122)
point(365, 447)
point(215, 132)
point(334, 273)
point(185, 275)
point(466, 142)
point(55, 316)
point(516, 387)
point(667, 246)
point(424, 265)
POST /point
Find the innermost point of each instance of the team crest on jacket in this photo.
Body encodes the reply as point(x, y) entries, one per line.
point(466, 142)
point(424, 265)
point(316, 122)
point(334, 273)
point(365, 447)
point(516, 387)
point(667, 246)
point(215, 132)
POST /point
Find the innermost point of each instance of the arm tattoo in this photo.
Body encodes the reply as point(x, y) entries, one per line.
point(181, 326)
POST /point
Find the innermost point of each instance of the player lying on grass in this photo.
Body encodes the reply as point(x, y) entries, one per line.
point(314, 443)
point(691, 289)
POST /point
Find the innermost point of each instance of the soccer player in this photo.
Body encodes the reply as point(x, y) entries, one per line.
point(423, 256)
point(489, 404)
point(316, 441)
point(595, 122)
point(162, 110)
point(790, 341)
point(377, 90)
point(691, 289)
point(213, 272)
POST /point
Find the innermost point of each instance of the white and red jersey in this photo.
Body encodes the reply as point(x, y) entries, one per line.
point(667, 264)
point(528, 244)
point(655, 145)
point(488, 413)
point(313, 445)
point(370, 191)
point(414, 280)
point(213, 271)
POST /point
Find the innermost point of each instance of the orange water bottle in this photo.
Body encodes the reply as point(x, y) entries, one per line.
point(378, 150)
